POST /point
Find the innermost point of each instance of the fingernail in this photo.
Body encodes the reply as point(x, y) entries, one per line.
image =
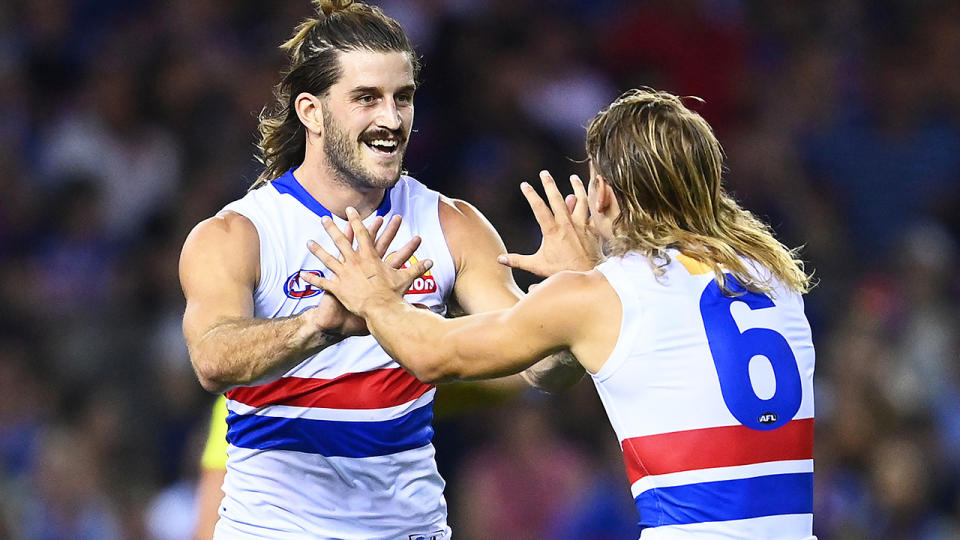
point(502, 259)
point(325, 219)
point(311, 244)
point(351, 210)
point(428, 264)
point(524, 185)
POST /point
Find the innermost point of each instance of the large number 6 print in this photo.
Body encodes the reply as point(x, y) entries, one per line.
point(732, 351)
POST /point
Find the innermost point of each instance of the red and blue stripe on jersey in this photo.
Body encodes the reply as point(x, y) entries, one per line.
point(375, 391)
point(713, 448)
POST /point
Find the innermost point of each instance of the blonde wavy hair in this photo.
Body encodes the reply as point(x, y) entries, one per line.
point(314, 66)
point(665, 164)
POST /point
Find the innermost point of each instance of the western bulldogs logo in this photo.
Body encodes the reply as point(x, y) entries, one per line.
point(296, 288)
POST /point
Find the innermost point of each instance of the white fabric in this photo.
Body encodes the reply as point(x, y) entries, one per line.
point(284, 494)
point(661, 383)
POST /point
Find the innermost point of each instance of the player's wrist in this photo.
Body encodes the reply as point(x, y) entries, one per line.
point(378, 304)
point(573, 264)
point(590, 256)
point(319, 328)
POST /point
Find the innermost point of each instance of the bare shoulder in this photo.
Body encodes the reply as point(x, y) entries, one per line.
point(574, 284)
point(458, 216)
point(227, 242)
point(573, 295)
point(587, 308)
point(464, 226)
point(224, 226)
point(482, 284)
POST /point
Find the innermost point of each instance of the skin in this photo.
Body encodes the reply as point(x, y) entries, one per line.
point(551, 318)
point(219, 264)
point(209, 495)
point(210, 479)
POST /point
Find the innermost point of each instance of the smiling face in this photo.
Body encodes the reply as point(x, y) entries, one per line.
point(367, 117)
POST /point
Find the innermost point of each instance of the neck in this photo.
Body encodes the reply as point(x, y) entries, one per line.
point(316, 176)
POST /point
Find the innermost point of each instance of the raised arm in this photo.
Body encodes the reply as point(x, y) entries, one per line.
point(485, 345)
point(484, 285)
point(219, 271)
point(567, 244)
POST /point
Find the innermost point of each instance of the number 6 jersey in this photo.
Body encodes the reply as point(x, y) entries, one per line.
point(711, 398)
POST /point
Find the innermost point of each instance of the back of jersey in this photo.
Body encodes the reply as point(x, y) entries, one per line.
point(712, 399)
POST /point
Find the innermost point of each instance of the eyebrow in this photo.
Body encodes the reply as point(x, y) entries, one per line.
point(374, 90)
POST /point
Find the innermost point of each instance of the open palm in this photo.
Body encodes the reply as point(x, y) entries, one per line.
point(568, 243)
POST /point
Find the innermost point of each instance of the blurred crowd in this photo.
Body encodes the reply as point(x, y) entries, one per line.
point(123, 123)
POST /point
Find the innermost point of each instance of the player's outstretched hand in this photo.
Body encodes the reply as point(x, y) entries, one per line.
point(568, 243)
point(336, 318)
point(361, 276)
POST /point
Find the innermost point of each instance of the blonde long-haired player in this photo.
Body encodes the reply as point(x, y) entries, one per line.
point(692, 327)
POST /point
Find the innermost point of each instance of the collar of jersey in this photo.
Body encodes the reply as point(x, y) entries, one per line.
point(289, 185)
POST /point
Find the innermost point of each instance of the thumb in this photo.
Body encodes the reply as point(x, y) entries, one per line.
point(521, 262)
point(514, 260)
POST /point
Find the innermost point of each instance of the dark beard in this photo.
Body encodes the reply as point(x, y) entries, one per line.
point(343, 156)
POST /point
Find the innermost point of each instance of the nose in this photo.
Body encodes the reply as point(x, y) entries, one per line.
point(389, 116)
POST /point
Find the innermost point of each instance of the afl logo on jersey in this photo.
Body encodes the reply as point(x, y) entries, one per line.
point(296, 288)
point(767, 418)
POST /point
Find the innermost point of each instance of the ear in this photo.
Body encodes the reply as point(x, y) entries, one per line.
point(604, 196)
point(310, 112)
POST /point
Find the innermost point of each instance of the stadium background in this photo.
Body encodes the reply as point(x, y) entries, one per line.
point(123, 123)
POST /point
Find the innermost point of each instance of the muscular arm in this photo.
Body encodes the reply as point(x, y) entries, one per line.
point(484, 285)
point(493, 344)
point(219, 269)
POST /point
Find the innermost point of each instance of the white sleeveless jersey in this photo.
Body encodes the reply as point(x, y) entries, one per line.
point(711, 398)
point(340, 445)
